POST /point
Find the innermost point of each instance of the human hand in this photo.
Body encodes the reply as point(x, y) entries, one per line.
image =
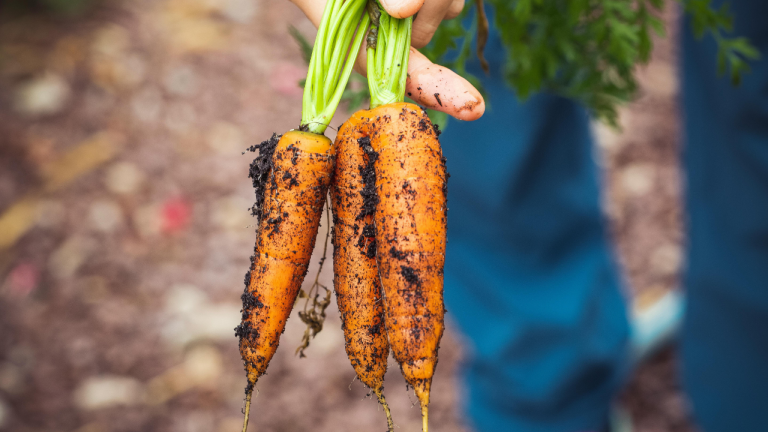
point(428, 84)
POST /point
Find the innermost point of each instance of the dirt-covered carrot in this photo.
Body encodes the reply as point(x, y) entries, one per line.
point(291, 176)
point(410, 214)
point(356, 279)
point(410, 237)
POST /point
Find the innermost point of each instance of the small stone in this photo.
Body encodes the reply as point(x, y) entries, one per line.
point(217, 321)
point(607, 138)
point(638, 179)
point(111, 40)
point(226, 139)
point(660, 79)
point(68, 258)
point(231, 213)
point(214, 322)
point(190, 26)
point(203, 365)
point(184, 299)
point(666, 259)
point(108, 391)
point(181, 81)
point(240, 11)
point(105, 216)
point(147, 104)
point(117, 72)
point(124, 178)
point(44, 95)
point(50, 213)
point(189, 316)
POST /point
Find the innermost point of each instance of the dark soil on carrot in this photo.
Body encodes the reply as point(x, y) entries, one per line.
point(368, 172)
point(120, 290)
point(261, 168)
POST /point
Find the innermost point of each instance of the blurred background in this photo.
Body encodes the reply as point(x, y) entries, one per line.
point(125, 230)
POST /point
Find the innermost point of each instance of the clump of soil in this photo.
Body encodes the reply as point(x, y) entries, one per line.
point(368, 172)
point(260, 169)
point(411, 276)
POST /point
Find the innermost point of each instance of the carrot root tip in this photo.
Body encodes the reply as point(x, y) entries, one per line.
point(247, 413)
point(383, 402)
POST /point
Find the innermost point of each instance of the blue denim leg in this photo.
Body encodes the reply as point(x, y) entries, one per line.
point(725, 335)
point(529, 276)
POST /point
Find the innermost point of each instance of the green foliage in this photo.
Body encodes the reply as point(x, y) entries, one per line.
point(583, 49)
point(732, 53)
point(304, 45)
point(356, 91)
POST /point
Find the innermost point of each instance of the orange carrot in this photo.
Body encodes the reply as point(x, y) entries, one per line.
point(356, 280)
point(291, 177)
point(410, 237)
point(410, 231)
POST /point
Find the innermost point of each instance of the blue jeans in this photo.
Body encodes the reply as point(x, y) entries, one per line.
point(725, 334)
point(530, 277)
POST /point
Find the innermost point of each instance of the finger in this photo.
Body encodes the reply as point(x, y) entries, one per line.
point(454, 9)
point(441, 89)
point(402, 8)
point(425, 24)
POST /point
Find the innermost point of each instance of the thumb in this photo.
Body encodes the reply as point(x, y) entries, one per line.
point(402, 8)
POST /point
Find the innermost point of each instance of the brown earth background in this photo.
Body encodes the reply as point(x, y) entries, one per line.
point(125, 230)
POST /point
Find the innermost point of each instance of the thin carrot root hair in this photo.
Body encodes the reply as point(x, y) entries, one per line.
point(314, 316)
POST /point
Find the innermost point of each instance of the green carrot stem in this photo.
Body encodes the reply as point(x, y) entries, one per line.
point(388, 59)
point(338, 41)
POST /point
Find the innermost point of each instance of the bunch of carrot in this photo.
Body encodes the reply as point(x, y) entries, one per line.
point(387, 181)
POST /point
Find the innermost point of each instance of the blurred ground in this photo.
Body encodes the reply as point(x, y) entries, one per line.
point(125, 234)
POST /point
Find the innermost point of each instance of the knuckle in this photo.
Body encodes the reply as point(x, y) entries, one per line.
point(422, 34)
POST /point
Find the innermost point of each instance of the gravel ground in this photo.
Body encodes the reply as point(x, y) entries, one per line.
point(125, 231)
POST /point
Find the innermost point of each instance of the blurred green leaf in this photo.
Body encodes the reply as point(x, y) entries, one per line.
point(583, 49)
point(439, 118)
point(304, 45)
